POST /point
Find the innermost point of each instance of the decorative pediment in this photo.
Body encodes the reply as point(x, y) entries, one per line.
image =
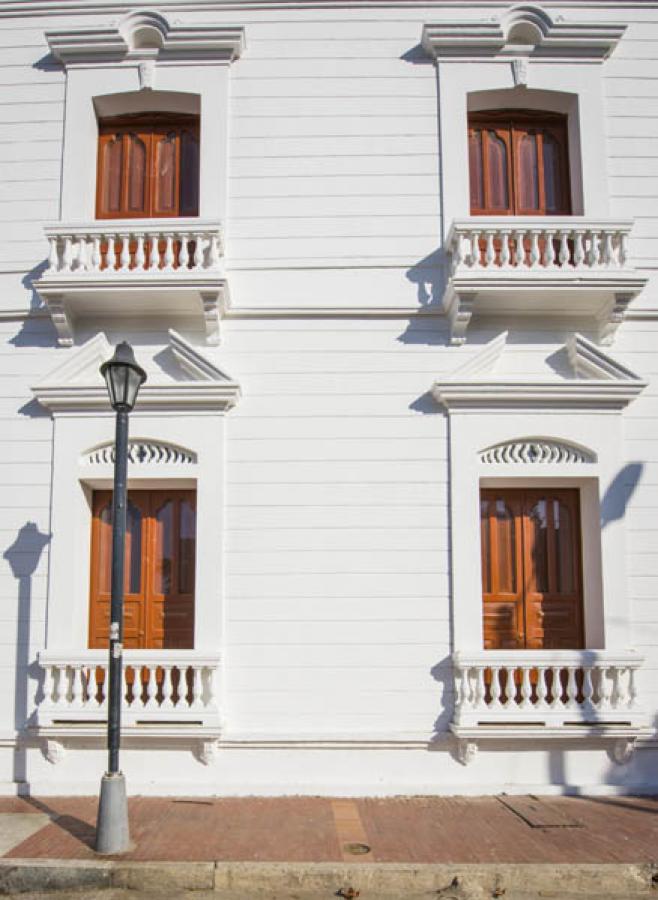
point(598, 382)
point(526, 30)
point(146, 34)
point(77, 385)
point(532, 451)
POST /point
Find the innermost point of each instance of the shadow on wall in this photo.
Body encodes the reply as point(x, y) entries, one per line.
point(442, 673)
point(23, 556)
point(428, 278)
point(619, 493)
point(37, 330)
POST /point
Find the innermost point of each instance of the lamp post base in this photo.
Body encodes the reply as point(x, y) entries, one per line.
point(112, 830)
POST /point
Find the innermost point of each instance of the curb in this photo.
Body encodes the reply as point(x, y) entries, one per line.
point(371, 880)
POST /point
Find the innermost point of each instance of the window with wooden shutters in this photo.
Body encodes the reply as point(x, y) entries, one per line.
point(159, 569)
point(148, 167)
point(531, 581)
point(518, 164)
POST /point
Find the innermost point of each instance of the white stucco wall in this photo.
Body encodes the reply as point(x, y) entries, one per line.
point(337, 584)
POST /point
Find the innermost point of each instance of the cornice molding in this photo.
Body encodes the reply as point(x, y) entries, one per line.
point(522, 31)
point(146, 35)
point(589, 361)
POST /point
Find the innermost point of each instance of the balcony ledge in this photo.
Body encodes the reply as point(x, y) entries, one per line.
point(549, 267)
point(170, 268)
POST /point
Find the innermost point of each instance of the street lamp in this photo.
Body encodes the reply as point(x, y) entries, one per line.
point(123, 378)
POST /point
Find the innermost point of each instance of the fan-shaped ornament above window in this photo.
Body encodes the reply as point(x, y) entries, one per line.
point(144, 453)
point(535, 451)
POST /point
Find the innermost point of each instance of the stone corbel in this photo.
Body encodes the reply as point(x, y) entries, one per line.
point(207, 751)
point(61, 319)
point(623, 749)
point(612, 319)
point(466, 750)
point(54, 751)
point(461, 313)
point(213, 309)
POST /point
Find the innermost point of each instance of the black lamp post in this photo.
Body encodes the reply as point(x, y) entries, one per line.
point(123, 378)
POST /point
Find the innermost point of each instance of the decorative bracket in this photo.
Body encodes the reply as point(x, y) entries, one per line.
point(54, 751)
point(207, 751)
point(520, 71)
point(466, 750)
point(460, 314)
point(612, 319)
point(61, 319)
point(623, 749)
point(213, 307)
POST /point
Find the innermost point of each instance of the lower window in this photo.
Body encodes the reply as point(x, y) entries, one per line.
point(532, 594)
point(159, 569)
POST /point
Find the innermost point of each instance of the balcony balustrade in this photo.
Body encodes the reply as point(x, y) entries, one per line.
point(546, 694)
point(159, 687)
point(138, 268)
point(551, 266)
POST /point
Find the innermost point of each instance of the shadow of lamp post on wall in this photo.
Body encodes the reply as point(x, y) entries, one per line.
point(123, 377)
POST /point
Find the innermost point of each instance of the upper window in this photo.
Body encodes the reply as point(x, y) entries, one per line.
point(518, 164)
point(148, 167)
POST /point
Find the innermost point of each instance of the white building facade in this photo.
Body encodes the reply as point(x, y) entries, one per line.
point(393, 477)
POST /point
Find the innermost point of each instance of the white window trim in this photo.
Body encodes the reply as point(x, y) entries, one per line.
point(130, 58)
point(585, 411)
point(83, 421)
point(525, 59)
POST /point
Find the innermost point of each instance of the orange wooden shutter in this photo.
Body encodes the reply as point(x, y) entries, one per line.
point(531, 572)
point(160, 564)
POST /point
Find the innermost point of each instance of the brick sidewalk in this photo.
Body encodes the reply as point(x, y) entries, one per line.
point(316, 829)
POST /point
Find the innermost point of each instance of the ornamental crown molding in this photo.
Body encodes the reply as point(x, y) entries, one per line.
point(522, 31)
point(146, 35)
point(599, 382)
point(76, 385)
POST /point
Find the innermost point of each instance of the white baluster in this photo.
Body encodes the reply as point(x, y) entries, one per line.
point(604, 689)
point(169, 252)
point(526, 688)
point(81, 262)
point(504, 248)
point(549, 249)
point(490, 252)
point(140, 258)
point(541, 687)
point(60, 692)
point(608, 254)
point(96, 258)
point(495, 687)
point(519, 250)
point(563, 255)
point(464, 688)
point(53, 256)
point(183, 256)
point(76, 687)
point(616, 687)
point(154, 251)
point(593, 253)
point(198, 251)
point(213, 253)
point(67, 255)
point(632, 689)
point(623, 248)
point(588, 687)
point(125, 253)
point(578, 248)
point(48, 685)
point(535, 255)
point(196, 688)
point(457, 252)
point(572, 688)
point(111, 252)
point(167, 701)
point(480, 688)
point(210, 685)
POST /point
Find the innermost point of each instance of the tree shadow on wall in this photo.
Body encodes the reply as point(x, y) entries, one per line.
point(23, 557)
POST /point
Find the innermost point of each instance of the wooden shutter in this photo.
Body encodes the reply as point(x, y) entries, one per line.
point(160, 564)
point(531, 571)
point(148, 169)
point(518, 164)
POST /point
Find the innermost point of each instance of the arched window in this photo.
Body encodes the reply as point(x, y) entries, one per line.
point(518, 163)
point(148, 167)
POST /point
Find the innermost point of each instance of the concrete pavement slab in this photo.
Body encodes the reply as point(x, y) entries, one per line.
point(17, 827)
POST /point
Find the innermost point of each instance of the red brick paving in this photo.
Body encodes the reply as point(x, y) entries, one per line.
point(303, 829)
